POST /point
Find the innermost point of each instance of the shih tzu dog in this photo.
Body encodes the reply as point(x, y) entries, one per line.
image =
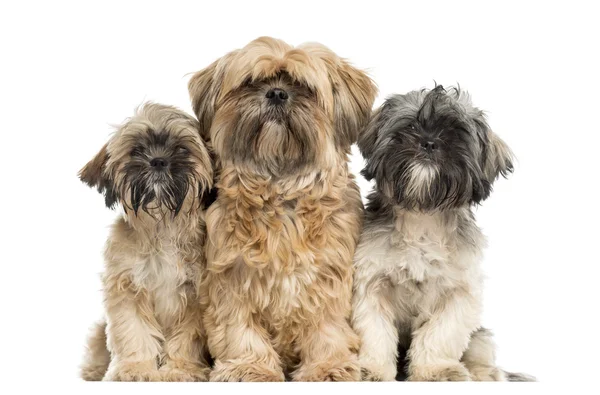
point(159, 169)
point(417, 282)
point(283, 230)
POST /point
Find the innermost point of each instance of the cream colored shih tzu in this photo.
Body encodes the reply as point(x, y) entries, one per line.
point(159, 169)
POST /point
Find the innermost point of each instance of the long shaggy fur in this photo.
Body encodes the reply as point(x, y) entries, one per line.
point(97, 356)
point(155, 252)
point(417, 283)
point(288, 215)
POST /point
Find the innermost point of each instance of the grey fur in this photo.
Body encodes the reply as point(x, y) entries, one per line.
point(468, 159)
point(417, 283)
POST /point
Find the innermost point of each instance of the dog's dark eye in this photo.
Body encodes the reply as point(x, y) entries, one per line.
point(136, 151)
point(247, 83)
point(183, 151)
point(459, 131)
point(298, 85)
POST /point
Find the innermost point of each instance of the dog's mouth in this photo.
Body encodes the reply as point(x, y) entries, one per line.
point(162, 192)
point(426, 160)
point(275, 114)
point(159, 178)
point(429, 183)
point(276, 139)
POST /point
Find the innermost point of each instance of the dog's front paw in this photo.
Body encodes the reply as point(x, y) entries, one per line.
point(184, 371)
point(133, 371)
point(447, 372)
point(241, 370)
point(371, 371)
point(329, 370)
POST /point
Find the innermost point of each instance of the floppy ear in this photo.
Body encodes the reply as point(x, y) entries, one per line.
point(353, 96)
point(93, 175)
point(367, 141)
point(497, 159)
point(207, 191)
point(204, 88)
point(368, 137)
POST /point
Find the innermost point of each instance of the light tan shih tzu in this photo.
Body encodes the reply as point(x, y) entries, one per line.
point(284, 227)
point(418, 281)
point(159, 169)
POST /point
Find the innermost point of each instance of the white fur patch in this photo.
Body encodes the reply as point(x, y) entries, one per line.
point(421, 178)
point(415, 272)
point(162, 275)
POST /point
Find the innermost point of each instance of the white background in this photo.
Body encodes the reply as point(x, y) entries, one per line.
point(68, 70)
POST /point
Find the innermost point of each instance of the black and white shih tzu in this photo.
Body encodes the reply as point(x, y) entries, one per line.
point(418, 283)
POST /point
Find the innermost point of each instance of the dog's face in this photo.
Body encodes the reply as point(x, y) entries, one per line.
point(273, 124)
point(278, 110)
point(432, 149)
point(156, 162)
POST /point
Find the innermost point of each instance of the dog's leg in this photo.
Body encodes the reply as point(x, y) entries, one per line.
point(239, 344)
point(185, 348)
point(328, 352)
point(480, 357)
point(327, 345)
point(373, 321)
point(441, 338)
point(134, 337)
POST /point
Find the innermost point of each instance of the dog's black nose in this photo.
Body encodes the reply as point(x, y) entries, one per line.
point(159, 163)
point(276, 96)
point(428, 145)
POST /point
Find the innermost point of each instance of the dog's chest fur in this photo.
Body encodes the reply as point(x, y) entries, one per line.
point(283, 265)
point(419, 257)
point(159, 264)
point(285, 252)
point(162, 274)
